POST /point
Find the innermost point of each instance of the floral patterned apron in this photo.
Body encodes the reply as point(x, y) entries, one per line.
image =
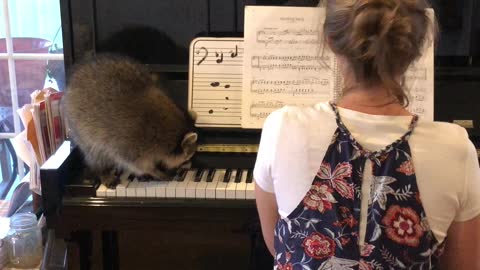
point(323, 232)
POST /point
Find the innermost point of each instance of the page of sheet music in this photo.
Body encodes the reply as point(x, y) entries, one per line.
point(215, 83)
point(419, 82)
point(286, 63)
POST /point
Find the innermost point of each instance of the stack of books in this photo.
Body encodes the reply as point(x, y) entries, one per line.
point(45, 131)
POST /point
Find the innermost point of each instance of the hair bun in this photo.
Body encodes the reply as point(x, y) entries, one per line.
point(379, 38)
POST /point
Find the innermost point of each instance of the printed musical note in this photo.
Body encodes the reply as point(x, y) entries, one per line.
point(217, 84)
point(204, 57)
point(416, 73)
point(419, 97)
point(288, 37)
point(219, 60)
point(234, 54)
point(305, 81)
point(418, 110)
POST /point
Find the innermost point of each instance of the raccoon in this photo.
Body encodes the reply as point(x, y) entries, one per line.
point(122, 120)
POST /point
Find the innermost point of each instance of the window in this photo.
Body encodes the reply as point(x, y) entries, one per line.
point(31, 58)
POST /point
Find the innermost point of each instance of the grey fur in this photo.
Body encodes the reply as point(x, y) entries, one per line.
point(121, 119)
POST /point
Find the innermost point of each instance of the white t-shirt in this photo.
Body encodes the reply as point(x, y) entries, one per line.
point(294, 141)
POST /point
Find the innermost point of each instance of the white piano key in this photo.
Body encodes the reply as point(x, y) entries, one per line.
point(151, 191)
point(102, 191)
point(231, 186)
point(221, 186)
point(131, 192)
point(121, 189)
point(250, 191)
point(240, 192)
point(111, 192)
point(160, 189)
point(141, 189)
point(202, 186)
point(170, 189)
point(191, 185)
point(210, 191)
point(181, 187)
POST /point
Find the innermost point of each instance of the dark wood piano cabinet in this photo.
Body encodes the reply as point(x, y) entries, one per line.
point(142, 233)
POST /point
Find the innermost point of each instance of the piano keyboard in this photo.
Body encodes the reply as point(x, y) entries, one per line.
point(188, 184)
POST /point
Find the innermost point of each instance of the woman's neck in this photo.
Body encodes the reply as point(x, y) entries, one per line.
point(372, 101)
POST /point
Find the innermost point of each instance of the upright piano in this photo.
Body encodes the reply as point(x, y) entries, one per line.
point(205, 217)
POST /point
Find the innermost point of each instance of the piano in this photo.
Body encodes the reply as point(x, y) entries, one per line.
point(205, 216)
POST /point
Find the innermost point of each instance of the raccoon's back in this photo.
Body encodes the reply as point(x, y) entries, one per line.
point(113, 105)
point(106, 82)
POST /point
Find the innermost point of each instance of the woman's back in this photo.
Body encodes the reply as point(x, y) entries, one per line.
point(444, 161)
point(363, 184)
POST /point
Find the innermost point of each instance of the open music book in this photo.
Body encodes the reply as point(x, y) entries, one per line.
point(282, 60)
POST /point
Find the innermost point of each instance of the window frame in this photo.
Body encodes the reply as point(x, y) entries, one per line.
point(11, 57)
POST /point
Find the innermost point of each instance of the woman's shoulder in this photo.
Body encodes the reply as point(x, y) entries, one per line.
point(441, 130)
point(443, 137)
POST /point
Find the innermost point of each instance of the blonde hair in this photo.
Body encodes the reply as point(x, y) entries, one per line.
point(378, 38)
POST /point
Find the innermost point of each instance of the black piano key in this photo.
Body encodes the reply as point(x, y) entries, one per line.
point(238, 176)
point(228, 173)
point(210, 175)
point(250, 176)
point(131, 177)
point(198, 175)
point(181, 175)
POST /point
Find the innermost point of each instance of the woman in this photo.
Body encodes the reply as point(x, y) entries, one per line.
point(363, 183)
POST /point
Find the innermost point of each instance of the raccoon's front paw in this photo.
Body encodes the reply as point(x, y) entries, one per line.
point(144, 178)
point(110, 180)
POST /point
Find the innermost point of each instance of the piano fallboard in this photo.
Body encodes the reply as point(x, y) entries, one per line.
point(155, 214)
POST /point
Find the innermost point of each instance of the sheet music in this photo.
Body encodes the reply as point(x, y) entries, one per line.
point(419, 82)
point(215, 83)
point(286, 63)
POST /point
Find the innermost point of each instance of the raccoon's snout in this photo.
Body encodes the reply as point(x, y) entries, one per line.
point(160, 166)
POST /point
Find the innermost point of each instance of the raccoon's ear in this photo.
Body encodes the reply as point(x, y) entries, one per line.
point(189, 139)
point(189, 144)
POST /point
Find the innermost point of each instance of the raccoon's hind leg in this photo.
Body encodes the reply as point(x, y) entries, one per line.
point(105, 169)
